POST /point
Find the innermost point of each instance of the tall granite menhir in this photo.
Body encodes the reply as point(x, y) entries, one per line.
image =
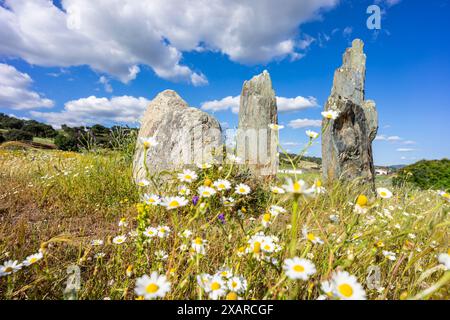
point(256, 143)
point(347, 140)
point(186, 136)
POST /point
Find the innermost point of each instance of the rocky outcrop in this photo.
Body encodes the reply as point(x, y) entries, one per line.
point(185, 136)
point(256, 143)
point(347, 140)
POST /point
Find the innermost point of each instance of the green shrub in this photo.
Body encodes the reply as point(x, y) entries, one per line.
point(18, 135)
point(66, 143)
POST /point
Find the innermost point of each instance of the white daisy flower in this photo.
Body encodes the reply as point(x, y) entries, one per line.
point(187, 176)
point(327, 288)
point(206, 192)
point(186, 234)
point(317, 187)
point(152, 199)
point(444, 195)
point(148, 142)
point(222, 184)
point(310, 236)
point(275, 126)
point(266, 219)
point(242, 189)
point(163, 231)
point(119, 239)
point(299, 268)
point(384, 193)
point(330, 114)
point(150, 232)
point(296, 187)
point(216, 287)
point(153, 286)
point(174, 202)
point(277, 190)
point(203, 280)
point(198, 245)
point(233, 158)
point(33, 259)
point(312, 134)
point(237, 284)
point(389, 255)
point(99, 255)
point(9, 267)
point(225, 273)
point(275, 210)
point(346, 286)
point(204, 165)
point(228, 202)
point(161, 255)
point(123, 222)
point(96, 242)
point(143, 183)
point(183, 190)
point(444, 259)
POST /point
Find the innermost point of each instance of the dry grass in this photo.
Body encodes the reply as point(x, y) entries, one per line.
point(61, 201)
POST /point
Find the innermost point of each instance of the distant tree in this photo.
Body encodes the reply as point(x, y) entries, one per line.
point(2, 139)
point(7, 122)
point(98, 130)
point(38, 129)
point(66, 143)
point(18, 135)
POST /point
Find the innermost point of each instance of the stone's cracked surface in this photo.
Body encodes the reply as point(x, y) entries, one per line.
point(256, 144)
point(185, 135)
point(347, 140)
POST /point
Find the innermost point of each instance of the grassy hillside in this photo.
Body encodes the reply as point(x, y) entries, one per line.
point(60, 202)
point(426, 174)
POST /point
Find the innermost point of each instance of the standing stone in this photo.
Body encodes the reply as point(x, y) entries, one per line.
point(185, 136)
point(256, 143)
point(347, 140)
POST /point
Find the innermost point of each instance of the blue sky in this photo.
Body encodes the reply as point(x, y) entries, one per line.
point(61, 64)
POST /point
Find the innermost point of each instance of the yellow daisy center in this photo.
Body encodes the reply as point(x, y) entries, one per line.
point(298, 268)
point(383, 193)
point(318, 183)
point(8, 269)
point(221, 186)
point(448, 252)
point(311, 237)
point(234, 284)
point(188, 177)
point(152, 288)
point(232, 296)
point(329, 116)
point(215, 286)
point(446, 195)
point(198, 241)
point(362, 200)
point(346, 290)
point(146, 144)
point(241, 190)
point(32, 260)
point(297, 187)
point(267, 247)
point(266, 217)
point(151, 200)
point(174, 203)
point(257, 247)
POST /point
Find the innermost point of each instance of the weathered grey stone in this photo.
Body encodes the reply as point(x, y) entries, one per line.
point(185, 136)
point(256, 143)
point(347, 140)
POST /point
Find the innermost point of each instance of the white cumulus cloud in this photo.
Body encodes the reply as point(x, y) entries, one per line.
point(92, 110)
point(302, 123)
point(284, 104)
point(117, 36)
point(405, 149)
point(15, 92)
